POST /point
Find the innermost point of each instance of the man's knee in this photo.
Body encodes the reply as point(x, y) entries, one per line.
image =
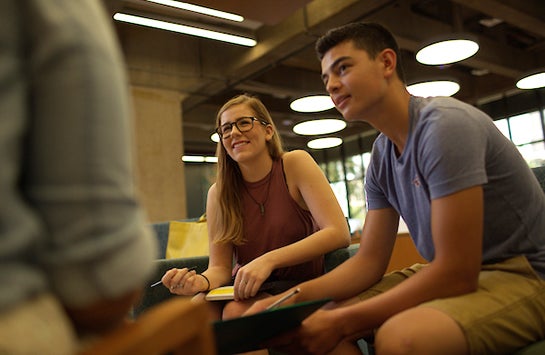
point(420, 331)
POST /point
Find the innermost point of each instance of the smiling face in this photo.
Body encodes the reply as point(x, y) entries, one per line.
point(243, 146)
point(355, 82)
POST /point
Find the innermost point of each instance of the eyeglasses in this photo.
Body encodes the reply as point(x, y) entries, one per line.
point(243, 124)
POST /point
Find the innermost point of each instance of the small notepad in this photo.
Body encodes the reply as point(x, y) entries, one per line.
point(223, 293)
point(227, 293)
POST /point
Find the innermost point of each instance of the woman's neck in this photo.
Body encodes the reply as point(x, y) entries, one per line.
point(257, 169)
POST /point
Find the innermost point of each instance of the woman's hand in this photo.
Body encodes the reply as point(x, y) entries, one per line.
point(250, 277)
point(184, 282)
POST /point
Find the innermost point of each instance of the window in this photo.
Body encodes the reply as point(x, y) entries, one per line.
point(526, 128)
point(346, 178)
point(526, 132)
point(335, 170)
point(356, 195)
point(339, 189)
point(503, 126)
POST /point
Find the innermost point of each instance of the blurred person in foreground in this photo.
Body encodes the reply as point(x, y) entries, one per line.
point(74, 246)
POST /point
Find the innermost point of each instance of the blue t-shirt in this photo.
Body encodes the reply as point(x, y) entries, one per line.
point(453, 146)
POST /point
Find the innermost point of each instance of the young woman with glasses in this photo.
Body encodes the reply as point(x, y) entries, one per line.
point(271, 214)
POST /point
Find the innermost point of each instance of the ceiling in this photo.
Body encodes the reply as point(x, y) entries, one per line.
point(283, 66)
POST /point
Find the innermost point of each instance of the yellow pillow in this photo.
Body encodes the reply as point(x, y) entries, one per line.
point(187, 239)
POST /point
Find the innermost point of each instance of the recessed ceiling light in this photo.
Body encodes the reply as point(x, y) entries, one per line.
point(321, 126)
point(490, 22)
point(532, 81)
point(446, 50)
point(185, 29)
point(200, 9)
point(434, 88)
point(193, 159)
point(479, 72)
point(215, 137)
point(314, 103)
point(199, 159)
point(322, 143)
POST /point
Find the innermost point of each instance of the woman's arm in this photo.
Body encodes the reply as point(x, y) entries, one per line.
point(221, 255)
point(185, 282)
point(309, 187)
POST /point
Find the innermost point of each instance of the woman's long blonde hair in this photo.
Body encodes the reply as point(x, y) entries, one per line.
point(229, 178)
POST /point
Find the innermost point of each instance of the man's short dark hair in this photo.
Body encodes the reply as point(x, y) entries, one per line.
point(371, 37)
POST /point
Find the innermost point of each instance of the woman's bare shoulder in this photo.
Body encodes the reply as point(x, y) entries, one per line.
point(296, 156)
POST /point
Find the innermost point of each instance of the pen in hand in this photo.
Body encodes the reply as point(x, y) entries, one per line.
point(159, 282)
point(278, 302)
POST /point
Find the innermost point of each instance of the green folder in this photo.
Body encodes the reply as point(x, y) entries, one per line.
point(247, 333)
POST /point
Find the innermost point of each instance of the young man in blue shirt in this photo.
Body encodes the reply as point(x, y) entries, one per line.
point(472, 205)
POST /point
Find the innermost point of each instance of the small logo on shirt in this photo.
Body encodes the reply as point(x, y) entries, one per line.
point(416, 182)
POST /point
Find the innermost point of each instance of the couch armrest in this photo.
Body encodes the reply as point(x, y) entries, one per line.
point(161, 231)
point(335, 258)
point(537, 348)
point(159, 293)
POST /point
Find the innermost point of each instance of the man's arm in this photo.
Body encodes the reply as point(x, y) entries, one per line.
point(457, 224)
point(362, 270)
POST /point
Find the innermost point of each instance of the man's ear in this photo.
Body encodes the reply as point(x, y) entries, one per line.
point(389, 60)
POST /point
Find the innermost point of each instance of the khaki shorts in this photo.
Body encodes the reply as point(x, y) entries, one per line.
point(506, 313)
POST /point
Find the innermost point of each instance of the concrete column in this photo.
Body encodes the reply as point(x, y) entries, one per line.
point(158, 151)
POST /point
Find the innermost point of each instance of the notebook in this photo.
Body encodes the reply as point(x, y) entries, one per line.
point(220, 294)
point(247, 333)
point(227, 293)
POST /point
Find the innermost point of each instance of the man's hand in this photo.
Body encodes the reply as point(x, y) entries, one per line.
point(263, 304)
point(318, 333)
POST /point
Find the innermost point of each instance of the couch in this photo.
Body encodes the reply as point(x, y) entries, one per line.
point(158, 294)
